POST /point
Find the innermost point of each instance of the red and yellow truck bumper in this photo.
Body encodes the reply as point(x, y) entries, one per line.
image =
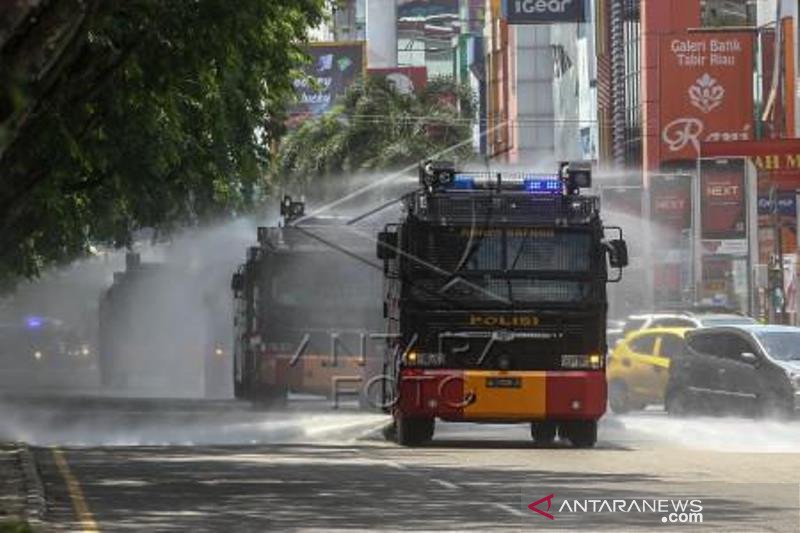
point(502, 396)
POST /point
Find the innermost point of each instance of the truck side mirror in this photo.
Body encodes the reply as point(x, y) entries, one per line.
point(387, 245)
point(237, 282)
point(618, 253)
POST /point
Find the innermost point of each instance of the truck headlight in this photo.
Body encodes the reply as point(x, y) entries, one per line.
point(423, 359)
point(794, 377)
point(582, 362)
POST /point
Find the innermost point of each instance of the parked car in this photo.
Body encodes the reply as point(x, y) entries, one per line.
point(638, 369)
point(748, 369)
point(684, 320)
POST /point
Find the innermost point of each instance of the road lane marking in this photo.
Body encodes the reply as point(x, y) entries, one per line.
point(509, 509)
point(396, 465)
point(445, 484)
point(82, 512)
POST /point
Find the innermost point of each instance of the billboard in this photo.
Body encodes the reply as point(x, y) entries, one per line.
point(671, 224)
point(778, 165)
point(671, 208)
point(723, 208)
point(543, 11)
point(332, 69)
point(706, 91)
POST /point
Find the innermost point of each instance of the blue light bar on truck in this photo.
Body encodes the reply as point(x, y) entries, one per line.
point(549, 184)
point(464, 181)
point(543, 184)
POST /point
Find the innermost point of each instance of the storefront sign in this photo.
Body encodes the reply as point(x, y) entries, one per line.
point(332, 69)
point(543, 11)
point(706, 91)
point(722, 202)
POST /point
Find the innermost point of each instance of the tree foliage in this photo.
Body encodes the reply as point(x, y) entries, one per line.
point(375, 127)
point(119, 115)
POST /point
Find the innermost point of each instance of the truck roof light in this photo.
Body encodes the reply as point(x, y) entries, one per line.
point(34, 322)
point(543, 184)
point(464, 181)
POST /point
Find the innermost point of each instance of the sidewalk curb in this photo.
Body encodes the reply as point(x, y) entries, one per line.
point(35, 503)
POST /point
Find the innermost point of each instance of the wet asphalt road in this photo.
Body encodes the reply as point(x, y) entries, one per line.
point(211, 466)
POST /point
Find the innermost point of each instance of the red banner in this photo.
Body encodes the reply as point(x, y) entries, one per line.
point(670, 207)
point(723, 207)
point(706, 91)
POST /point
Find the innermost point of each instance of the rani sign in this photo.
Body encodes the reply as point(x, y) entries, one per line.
point(706, 91)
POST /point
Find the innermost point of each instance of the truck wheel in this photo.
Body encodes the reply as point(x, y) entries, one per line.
point(429, 429)
point(543, 432)
point(618, 398)
point(238, 389)
point(413, 431)
point(270, 398)
point(390, 432)
point(581, 433)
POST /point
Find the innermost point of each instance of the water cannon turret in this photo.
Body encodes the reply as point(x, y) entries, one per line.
point(292, 210)
point(576, 175)
point(436, 174)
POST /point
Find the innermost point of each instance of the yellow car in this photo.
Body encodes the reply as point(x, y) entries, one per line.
point(638, 368)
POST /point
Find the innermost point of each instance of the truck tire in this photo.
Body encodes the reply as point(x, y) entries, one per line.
point(268, 398)
point(238, 386)
point(413, 431)
point(543, 432)
point(581, 433)
point(390, 432)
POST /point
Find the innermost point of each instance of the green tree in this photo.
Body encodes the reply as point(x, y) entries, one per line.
point(375, 127)
point(120, 115)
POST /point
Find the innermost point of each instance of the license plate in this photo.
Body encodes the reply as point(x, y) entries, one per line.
point(503, 383)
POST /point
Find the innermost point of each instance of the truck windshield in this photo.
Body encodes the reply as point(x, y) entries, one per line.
point(511, 264)
point(504, 250)
point(330, 280)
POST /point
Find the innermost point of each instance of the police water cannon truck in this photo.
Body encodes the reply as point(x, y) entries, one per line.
point(495, 303)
